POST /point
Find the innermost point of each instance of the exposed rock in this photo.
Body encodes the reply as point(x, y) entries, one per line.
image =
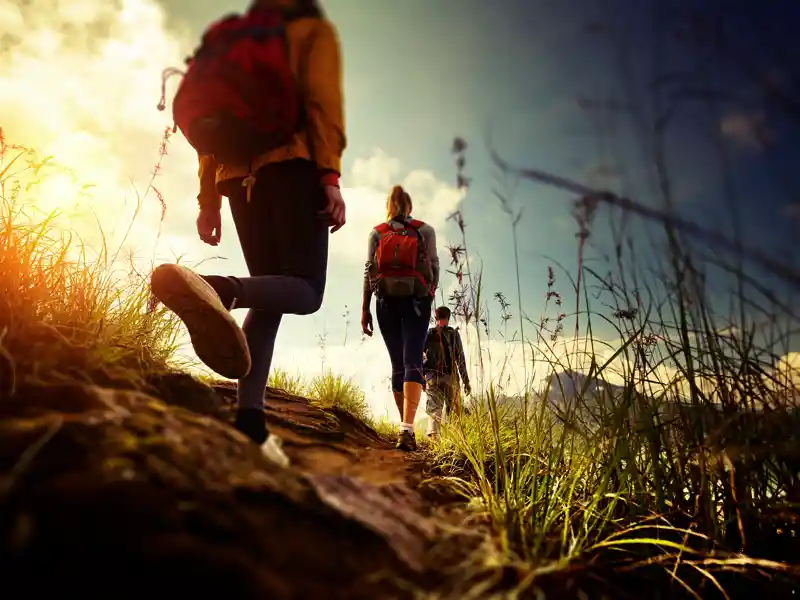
point(106, 492)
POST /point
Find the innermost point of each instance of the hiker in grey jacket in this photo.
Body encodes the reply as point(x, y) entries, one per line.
point(402, 271)
point(444, 362)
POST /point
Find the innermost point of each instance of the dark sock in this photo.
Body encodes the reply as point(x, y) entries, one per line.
point(252, 423)
point(226, 288)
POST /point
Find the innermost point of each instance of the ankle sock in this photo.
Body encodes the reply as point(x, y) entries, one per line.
point(227, 289)
point(252, 423)
point(409, 427)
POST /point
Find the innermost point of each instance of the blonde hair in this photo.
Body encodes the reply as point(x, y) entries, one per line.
point(398, 204)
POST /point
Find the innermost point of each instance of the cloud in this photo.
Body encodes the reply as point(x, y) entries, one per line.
point(365, 189)
point(82, 85)
point(80, 80)
point(377, 171)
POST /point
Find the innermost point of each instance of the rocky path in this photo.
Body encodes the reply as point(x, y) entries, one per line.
point(122, 494)
point(323, 442)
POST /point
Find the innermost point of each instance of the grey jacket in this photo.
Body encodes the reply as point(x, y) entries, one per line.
point(458, 360)
point(428, 235)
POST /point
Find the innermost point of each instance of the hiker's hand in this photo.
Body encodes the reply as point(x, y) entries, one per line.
point(209, 225)
point(366, 322)
point(334, 211)
point(467, 389)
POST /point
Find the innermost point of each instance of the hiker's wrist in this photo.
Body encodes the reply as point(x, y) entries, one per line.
point(330, 178)
point(209, 201)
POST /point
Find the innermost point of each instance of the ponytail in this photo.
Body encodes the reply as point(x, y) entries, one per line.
point(398, 205)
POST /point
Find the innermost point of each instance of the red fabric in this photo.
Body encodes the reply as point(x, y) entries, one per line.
point(241, 71)
point(330, 178)
point(399, 251)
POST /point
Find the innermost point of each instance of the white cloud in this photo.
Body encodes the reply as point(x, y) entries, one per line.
point(82, 84)
point(365, 190)
point(80, 80)
point(377, 171)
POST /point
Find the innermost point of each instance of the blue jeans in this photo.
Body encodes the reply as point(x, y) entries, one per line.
point(403, 323)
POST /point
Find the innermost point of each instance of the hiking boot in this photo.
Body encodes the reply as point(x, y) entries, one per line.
point(406, 441)
point(217, 339)
point(252, 423)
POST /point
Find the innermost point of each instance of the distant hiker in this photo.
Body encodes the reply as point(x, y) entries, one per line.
point(269, 130)
point(444, 362)
point(402, 270)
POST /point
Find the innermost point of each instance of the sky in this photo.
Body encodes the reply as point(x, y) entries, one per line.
point(566, 87)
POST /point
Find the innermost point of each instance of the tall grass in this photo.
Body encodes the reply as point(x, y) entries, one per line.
point(695, 449)
point(67, 313)
point(283, 380)
point(693, 455)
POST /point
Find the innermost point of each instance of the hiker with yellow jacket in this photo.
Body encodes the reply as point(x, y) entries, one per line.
point(268, 126)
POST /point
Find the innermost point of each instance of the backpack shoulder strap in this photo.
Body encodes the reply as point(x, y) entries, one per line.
point(383, 228)
point(414, 223)
point(429, 337)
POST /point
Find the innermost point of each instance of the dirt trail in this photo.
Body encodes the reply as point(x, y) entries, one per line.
point(332, 442)
point(114, 492)
point(101, 486)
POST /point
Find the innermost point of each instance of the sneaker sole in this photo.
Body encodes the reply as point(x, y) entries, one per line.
point(216, 338)
point(406, 448)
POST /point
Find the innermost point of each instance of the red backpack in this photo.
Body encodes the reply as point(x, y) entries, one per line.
point(400, 266)
point(238, 97)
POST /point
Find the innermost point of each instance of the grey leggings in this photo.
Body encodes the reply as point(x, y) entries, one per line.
point(285, 246)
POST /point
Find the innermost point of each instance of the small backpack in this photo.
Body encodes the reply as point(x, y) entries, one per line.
point(439, 351)
point(400, 266)
point(238, 97)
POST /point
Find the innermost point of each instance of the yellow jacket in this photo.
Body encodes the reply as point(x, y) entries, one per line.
point(314, 50)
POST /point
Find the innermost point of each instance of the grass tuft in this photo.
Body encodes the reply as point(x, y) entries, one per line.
point(329, 390)
point(67, 312)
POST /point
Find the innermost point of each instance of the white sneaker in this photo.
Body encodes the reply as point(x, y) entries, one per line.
point(273, 451)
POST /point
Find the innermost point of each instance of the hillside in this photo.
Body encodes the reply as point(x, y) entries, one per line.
point(105, 486)
point(121, 476)
point(102, 486)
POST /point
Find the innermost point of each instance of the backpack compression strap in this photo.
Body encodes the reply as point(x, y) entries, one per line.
point(414, 224)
